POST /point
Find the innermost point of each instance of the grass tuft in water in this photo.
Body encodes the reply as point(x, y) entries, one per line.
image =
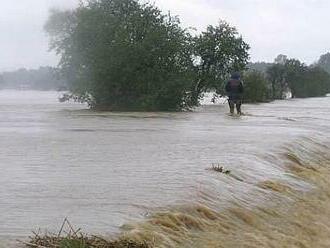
point(72, 238)
point(73, 243)
point(219, 168)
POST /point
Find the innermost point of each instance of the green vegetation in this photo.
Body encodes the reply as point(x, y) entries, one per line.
point(129, 56)
point(44, 78)
point(307, 81)
point(256, 88)
point(73, 243)
point(82, 241)
point(68, 237)
point(221, 51)
point(324, 62)
point(274, 81)
point(125, 55)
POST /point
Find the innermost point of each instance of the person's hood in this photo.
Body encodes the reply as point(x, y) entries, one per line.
point(236, 76)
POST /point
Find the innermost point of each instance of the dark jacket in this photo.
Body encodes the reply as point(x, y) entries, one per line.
point(234, 89)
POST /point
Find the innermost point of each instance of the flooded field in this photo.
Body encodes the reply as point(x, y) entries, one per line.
point(103, 170)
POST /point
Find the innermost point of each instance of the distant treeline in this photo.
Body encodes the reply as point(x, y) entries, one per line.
point(271, 81)
point(44, 78)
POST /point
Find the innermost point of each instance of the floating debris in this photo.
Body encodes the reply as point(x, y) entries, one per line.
point(219, 168)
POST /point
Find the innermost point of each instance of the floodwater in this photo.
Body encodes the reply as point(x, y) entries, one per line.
point(102, 170)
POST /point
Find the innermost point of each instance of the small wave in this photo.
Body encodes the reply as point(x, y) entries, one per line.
point(291, 217)
point(272, 116)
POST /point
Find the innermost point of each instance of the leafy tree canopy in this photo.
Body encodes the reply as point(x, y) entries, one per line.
point(221, 51)
point(256, 87)
point(324, 62)
point(125, 55)
point(301, 80)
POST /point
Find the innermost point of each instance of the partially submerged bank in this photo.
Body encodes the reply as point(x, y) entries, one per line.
point(292, 217)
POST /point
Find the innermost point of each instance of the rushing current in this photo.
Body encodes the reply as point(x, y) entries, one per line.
point(102, 170)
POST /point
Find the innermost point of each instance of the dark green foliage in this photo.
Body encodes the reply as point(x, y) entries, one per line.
point(295, 77)
point(221, 51)
point(73, 243)
point(290, 75)
point(324, 62)
point(313, 82)
point(125, 55)
point(294, 73)
point(277, 78)
point(301, 80)
point(256, 87)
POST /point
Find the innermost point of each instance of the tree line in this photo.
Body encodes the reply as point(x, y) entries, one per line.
point(44, 78)
point(271, 81)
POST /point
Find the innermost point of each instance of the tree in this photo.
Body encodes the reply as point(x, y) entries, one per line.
point(124, 55)
point(295, 71)
point(220, 50)
point(305, 81)
point(256, 87)
point(301, 80)
point(277, 78)
point(281, 59)
point(314, 82)
point(324, 62)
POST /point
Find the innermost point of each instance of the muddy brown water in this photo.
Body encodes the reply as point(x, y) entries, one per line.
point(102, 170)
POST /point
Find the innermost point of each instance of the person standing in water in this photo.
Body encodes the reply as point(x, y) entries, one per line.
point(234, 90)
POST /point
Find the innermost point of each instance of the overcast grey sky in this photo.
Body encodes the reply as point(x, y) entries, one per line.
point(298, 28)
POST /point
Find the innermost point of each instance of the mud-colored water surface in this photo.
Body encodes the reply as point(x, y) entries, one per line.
point(104, 170)
point(291, 217)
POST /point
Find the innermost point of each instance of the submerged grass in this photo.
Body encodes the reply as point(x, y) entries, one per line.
point(295, 218)
point(68, 237)
point(81, 241)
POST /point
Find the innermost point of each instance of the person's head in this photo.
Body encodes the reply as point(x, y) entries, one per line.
point(235, 75)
